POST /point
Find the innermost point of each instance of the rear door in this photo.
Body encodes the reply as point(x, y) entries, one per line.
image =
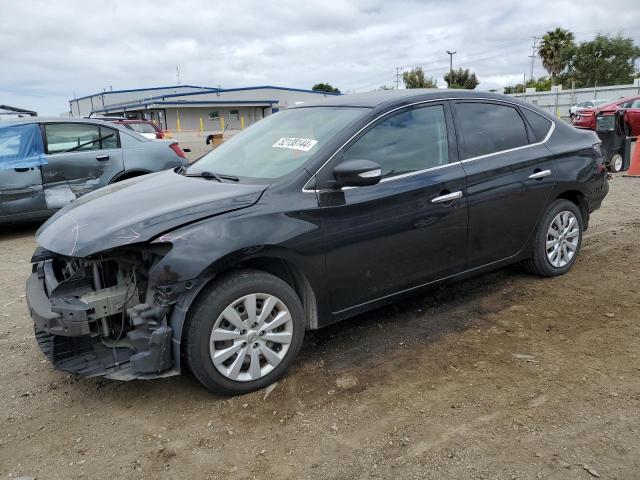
point(81, 157)
point(632, 116)
point(510, 174)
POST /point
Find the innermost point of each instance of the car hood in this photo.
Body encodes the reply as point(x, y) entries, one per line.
point(138, 210)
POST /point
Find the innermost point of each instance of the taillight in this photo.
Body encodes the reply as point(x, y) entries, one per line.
point(159, 135)
point(176, 148)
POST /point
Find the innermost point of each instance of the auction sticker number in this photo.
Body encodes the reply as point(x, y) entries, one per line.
point(302, 144)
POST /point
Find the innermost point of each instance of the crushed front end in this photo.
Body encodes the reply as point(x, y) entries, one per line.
point(102, 314)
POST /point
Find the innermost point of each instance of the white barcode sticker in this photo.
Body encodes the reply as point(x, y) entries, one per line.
point(302, 144)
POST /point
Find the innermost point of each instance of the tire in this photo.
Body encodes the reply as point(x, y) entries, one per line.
point(616, 163)
point(540, 262)
point(236, 292)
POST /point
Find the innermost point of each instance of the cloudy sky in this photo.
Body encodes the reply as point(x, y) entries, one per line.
point(53, 51)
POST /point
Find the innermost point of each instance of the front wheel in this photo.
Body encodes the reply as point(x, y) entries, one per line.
point(557, 240)
point(244, 332)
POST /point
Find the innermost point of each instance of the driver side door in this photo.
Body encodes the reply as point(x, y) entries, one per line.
point(411, 228)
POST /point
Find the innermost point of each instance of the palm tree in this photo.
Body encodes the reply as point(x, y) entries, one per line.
point(555, 51)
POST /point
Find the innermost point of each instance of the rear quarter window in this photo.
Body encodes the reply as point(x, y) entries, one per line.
point(539, 124)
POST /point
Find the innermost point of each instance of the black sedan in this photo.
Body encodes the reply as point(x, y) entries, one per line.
point(308, 217)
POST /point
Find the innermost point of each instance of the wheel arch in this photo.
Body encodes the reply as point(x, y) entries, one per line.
point(126, 174)
point(277, 262)
point(580, 199)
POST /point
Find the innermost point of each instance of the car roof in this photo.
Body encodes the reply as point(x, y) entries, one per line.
point(132, 120)
point(380, 98)
point(60, 120)
point(621, 100)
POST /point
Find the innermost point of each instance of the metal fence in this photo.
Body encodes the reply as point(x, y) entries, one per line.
point(559, 103)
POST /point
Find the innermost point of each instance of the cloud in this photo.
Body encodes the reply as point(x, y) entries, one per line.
point(51, 51)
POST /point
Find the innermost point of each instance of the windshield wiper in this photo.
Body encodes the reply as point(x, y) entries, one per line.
point(213, 176)
point(90, 142)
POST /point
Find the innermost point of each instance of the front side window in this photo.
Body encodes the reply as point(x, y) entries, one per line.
point(407, 142)
point(72, 137)
point(489, 128)
point(278, 144)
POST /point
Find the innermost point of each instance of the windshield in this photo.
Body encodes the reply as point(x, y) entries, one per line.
point(279, 144)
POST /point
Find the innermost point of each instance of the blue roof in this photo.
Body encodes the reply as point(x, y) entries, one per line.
point(184, 102)
point(206, 90)
point(143, 89)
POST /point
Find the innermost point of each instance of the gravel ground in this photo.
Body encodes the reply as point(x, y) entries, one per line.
point(506, 376)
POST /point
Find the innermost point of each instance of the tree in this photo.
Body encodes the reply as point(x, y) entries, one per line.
point(604, 61)
point(461, 79)
point(325, 87)
point(415, 79)
point(542, 84)
point(385, 87)
point(556, 51)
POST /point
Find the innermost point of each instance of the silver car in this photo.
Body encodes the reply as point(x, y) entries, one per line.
point(46, 163)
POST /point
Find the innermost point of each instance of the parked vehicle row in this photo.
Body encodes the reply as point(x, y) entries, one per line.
point(586, 117)
point(308, 217)
point(46, 163)
point(579, 107)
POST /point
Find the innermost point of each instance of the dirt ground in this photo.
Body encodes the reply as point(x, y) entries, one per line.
point(506, 376)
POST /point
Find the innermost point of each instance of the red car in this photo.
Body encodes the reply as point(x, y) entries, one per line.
point(143, 127)
point(586, 118)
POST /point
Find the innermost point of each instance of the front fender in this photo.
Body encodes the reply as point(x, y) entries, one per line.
point(209, 246)
point(203, 250)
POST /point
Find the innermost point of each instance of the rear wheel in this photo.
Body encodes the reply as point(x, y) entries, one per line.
point(615, 164)
point(557, 240)
point(244, 332)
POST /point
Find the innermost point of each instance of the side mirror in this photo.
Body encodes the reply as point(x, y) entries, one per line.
point(356, 173)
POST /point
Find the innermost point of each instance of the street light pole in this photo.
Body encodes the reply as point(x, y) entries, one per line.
point(451, 54)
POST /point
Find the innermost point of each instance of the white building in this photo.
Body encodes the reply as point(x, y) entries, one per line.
point(188, 108)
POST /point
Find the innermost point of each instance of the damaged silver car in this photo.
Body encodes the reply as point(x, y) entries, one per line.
point(46, 163)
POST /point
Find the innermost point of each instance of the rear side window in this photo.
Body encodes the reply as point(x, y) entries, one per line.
point(65, 137)
point(406, 142)
point(141, 127)
point(539, 124)
point(489, 128)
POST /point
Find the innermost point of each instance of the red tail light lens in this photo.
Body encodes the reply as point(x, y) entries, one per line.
point(159, 135)
point(176, 148)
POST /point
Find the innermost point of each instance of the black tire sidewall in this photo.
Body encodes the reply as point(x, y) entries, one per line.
point(205, 313)
point(541, 238)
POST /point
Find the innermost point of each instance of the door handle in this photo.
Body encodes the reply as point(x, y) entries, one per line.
point(102, 158)
point(540, 175)
point(447, 198)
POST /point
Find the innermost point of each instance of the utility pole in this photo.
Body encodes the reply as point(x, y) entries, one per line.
point(178, 74)
point(532, 57)
point(451, 54)
point(398, 72)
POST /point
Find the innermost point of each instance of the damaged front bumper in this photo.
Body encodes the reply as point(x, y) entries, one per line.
point(101, 316)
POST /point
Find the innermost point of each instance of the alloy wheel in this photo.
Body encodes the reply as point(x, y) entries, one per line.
point(251, 337)
point(616, 162)
point(562, 239)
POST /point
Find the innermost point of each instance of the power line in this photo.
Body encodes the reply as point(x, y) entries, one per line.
point(533, 57)
point(398, 72)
